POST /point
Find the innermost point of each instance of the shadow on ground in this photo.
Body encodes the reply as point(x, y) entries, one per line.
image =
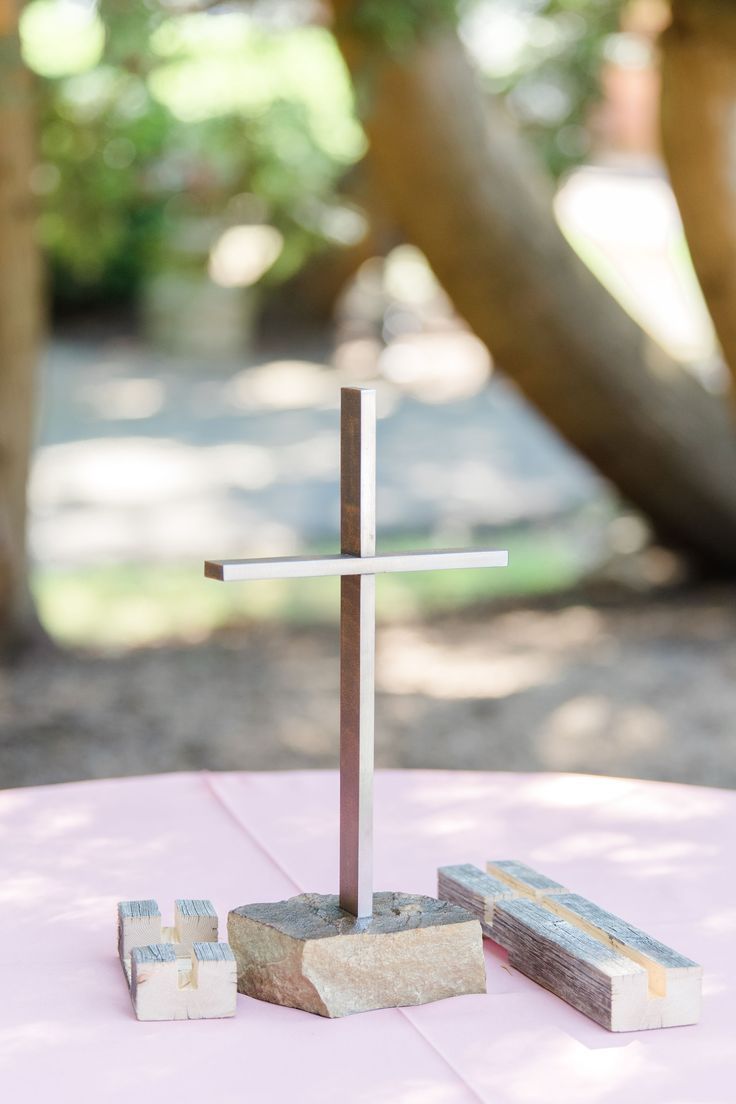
point(643, 688)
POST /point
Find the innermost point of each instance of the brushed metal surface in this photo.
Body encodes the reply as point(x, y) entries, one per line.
point(357, 649)
point(293, 567)
point(358, 471)
point(357, 565)
point(357, 697)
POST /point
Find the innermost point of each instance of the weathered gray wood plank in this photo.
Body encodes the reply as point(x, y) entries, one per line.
point(138, 910)
point(602, 965)
point(559, 956)
point(154, 952)
point(521, 877)
point(191, 908)
point(576, 908)
point(469, 887)
point(213, 952)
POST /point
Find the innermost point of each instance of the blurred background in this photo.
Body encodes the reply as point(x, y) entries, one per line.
point(500, 214)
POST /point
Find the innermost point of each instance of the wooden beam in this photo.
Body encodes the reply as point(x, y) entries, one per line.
point(600, 964)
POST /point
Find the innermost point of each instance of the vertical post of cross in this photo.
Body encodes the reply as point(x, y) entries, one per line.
point(357, 650)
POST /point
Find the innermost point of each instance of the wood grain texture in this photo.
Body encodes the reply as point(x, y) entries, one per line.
point(194, 921)
point(139, 924)
point(180, 972)
point(586, 973)
point(522, 878)
point(475, 891)
point(600, 964)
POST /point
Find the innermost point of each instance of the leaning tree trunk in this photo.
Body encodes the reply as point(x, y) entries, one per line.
point(20, 313)
point(698, 116)
point(465, 192)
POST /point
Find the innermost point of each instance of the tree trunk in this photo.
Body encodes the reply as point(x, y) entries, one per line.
point(317, 287)
point(20, 315)
point(464, 190)
point(698, 116)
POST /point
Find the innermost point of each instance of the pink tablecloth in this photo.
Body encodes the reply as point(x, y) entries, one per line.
point(661, 855)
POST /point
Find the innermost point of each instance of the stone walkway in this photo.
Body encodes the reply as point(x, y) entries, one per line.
point(143, 458)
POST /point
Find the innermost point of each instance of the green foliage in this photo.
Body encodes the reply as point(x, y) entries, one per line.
point(396, 25)
point(100, 216)
point(149, 119)
point(544, 57)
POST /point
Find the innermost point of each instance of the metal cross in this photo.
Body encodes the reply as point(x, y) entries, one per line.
point(357, 565)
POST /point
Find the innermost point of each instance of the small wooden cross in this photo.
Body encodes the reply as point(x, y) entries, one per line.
point(357, 565)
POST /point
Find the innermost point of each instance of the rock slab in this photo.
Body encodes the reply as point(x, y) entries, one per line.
point(307, 953)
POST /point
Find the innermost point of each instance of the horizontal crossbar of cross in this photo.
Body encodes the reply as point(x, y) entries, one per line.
point(292, 567)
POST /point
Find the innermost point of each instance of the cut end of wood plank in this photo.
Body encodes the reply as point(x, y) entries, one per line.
point(180, 972)
point(472, 889)
point(213, 952)
point(195, 921)
point(600, 964)
point(214, 569)
point(154, 953)
point(138, 909)
point(139, 925)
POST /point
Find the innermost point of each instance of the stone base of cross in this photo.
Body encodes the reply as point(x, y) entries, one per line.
point(306, 919)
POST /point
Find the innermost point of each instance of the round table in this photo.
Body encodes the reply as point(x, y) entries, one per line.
point(661, 855)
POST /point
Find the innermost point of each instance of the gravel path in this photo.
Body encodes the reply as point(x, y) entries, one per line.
point(143, 458)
